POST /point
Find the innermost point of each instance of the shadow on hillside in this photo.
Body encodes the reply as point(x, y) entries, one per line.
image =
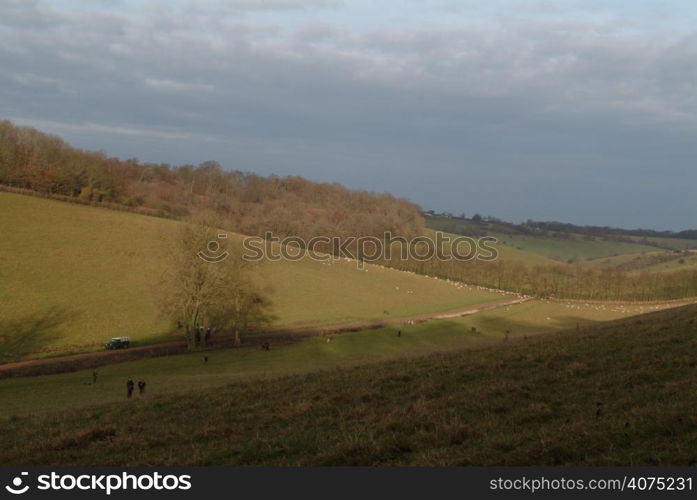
point(30, 333)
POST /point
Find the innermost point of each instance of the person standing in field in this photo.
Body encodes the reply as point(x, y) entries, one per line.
point(129, 388)
point(141, 386)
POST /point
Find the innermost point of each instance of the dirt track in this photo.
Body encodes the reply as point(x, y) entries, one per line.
point(87, 360)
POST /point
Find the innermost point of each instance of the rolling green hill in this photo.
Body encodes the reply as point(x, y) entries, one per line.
point(507, 253)
point(73, 276)
point(560, 245)
point(613, 393)
point(668, 243)
point(661, 261)
point(571, 248)
point(679, 262)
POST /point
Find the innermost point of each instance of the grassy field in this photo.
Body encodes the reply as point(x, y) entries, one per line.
point(572, 248)
point(314, 293)
point(681, 262)
point(618, 393)
point(72, 276)
point(506, 253)
point(669, 243)
point(627, 260)
point(188, 372)
point(658, 261)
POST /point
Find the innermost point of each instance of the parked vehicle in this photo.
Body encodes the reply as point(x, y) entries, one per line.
point(118, 343)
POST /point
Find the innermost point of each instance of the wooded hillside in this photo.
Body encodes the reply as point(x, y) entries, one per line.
point(249, 203)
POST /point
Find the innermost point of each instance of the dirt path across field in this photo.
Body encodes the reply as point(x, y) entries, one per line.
point(87, 360)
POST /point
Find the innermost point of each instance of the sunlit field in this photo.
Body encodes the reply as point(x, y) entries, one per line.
point(75, 276)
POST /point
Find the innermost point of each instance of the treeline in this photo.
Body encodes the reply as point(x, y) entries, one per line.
point(606, 231)
point(248, 203)
point(476, 225)
point(561, 281)
point(479, 225)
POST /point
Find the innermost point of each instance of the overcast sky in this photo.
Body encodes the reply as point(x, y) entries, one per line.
point(574, 110)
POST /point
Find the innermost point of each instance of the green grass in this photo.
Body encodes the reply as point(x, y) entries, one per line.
point(653, 262)
point(93, 266)
point(506, 253)
point(572, 248)
point(630, 261)
point(669, 243)
point(71, 277)
point(187, 372)
point(312, 293)
point(618, 393)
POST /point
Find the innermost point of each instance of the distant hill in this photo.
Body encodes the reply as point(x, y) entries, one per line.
point(482, 225)
point(564, 242)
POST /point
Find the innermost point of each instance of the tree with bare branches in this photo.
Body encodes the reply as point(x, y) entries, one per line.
point(209, 285)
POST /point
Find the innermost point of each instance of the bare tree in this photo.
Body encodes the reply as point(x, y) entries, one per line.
point(208, 284)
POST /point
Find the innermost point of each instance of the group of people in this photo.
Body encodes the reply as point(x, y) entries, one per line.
point(202, 333)
point(130, 386)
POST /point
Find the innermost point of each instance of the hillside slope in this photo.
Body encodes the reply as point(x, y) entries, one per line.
point(609, 394)
point(571, 248)
point(563, 244)
point(73, 276)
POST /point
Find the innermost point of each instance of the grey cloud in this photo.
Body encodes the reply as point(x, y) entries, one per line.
point(493, 119)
